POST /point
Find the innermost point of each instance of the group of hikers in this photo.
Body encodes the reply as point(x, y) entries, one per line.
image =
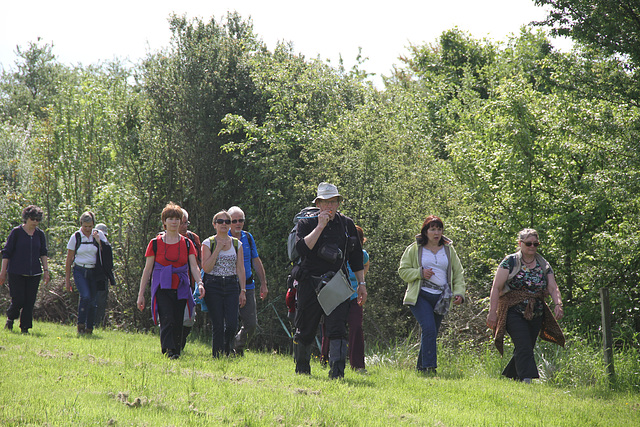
point(327, 284)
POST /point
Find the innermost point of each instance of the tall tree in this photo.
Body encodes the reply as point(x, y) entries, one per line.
point(613, 25)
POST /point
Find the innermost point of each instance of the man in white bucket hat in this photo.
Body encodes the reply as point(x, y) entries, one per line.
point(325, 243)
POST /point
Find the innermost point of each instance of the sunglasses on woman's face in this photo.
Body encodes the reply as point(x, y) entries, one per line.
point(535, 244)
point(223, 221)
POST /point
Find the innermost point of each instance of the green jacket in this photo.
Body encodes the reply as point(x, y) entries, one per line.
point(410, 271)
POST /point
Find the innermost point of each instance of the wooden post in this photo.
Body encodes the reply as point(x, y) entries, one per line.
point(607, 337)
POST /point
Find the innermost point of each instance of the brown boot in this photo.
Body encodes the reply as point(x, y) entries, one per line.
point(81, 328)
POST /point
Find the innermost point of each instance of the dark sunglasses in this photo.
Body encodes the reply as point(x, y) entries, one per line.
point(535, 244)
point(223, 221)
point(235, 221)
point(36, 218)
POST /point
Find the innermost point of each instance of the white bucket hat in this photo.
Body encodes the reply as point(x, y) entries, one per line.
point(327, 191)
point(102, 228)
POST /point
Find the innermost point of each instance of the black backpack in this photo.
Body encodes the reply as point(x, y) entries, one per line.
point(308, 212)
point(154, 243)
point(104, 256)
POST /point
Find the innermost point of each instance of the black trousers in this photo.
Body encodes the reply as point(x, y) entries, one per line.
point(524, 334)
point(171, 315)
point(23, 291)
point(309, 312)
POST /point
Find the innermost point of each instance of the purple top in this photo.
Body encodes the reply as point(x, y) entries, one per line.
point(162, 280)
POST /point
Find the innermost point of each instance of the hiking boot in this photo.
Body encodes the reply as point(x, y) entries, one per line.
point(302, 357)
point(24, 331)
point(9, 325)
point(336, 369)
point(88, 331)
point(428, 372)
point(337, 358)
point(81, 328)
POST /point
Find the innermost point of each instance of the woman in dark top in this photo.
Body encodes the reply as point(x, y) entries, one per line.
point(517, 304)
point(24, 257)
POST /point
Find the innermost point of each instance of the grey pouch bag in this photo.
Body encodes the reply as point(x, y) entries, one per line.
point(335, 292)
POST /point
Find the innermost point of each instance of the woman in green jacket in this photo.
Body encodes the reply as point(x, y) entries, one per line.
point(435, 281)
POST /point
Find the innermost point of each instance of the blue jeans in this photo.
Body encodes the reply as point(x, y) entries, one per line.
point(430, 325)
point(222, 298)
point(87, 288)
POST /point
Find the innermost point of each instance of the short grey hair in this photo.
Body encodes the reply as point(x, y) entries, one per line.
point(88, 216)
point(185, 214)
point(234, 210)
point(526, 233)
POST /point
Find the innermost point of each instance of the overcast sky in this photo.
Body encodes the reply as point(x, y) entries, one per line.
point(86, 32)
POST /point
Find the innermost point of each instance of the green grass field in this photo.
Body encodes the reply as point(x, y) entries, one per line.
point(54, 377)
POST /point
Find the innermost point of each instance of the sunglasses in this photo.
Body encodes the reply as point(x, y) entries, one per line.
point(223, 221)
point(535, 244)
point(235, 221)
point(36, 219)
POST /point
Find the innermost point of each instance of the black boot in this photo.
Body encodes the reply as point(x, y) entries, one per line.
point(336, 369)
point(337, 358)
point(302, 357)
point(9, 324)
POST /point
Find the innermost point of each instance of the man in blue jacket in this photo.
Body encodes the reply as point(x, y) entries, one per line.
point(248, 313)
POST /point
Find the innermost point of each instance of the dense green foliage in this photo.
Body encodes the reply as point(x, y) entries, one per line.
point(491, 137)
point(612, 25)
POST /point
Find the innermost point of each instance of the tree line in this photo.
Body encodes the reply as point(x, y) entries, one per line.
point(492, 137)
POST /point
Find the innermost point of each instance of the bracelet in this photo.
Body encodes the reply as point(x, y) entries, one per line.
point(559, 304)
point(46, 269)
point(243, 290)
point(362, 283)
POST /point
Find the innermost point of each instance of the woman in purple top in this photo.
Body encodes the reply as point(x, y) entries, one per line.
point(169, 256)
point(24, 257)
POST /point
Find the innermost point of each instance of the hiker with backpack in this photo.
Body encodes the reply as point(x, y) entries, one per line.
point(103, 282)
point(326, 242)
point(84, 254)
point(170, 257)
point(189, 315)
point(517, 306)
point(24, 263)
point(248, 313)
point(224, 282)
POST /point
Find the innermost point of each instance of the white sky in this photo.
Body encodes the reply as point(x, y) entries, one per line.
point(87, 32)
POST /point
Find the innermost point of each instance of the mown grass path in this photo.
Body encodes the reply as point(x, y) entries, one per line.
point(54, 377)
